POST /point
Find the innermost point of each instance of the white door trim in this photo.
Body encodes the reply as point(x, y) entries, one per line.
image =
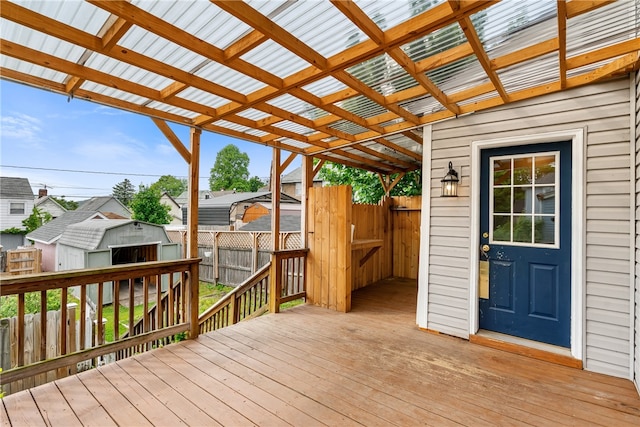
point(576, 136)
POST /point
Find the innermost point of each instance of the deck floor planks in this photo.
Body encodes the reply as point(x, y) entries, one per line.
point(160, 362)
point(88, 410)
point(199, 374)
point(387, 406)
point(589, 412)
point(53, 407)
point(274, 404)
point(167, 386)
point(121, 410)
point(214, 352)
point(311, 366)
point(313, 386)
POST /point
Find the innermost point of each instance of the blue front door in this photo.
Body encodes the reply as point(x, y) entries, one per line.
point(525, 239)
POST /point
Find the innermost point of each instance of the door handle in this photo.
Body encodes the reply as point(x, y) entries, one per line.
point(486, 248)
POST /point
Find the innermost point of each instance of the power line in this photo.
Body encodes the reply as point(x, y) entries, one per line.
point(93, 172)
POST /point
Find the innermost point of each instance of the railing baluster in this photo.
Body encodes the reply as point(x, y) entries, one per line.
point(170, 304)
point(83, 316)
point(158, 301)
point(43, 325)
point(20, 337)
point(132, 296)
point(99, 327)
point(116, 310)
point(63, 321)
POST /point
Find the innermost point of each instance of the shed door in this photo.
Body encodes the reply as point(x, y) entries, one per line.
point(526, 241)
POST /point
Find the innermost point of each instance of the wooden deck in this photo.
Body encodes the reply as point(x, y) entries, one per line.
point(309, 366)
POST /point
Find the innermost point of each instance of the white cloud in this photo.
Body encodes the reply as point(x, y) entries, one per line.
point(21, 127)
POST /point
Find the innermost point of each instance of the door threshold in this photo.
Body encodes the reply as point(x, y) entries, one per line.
point(534, 349)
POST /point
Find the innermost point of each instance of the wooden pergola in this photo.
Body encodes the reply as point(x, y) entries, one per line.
point(342, 81)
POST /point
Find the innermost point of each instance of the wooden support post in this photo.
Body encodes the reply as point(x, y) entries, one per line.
point(194, 171)
point(275, 286)
point(193, 303)
point(308, 174)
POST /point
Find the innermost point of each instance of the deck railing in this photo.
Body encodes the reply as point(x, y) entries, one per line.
point(176, 317)
point(253, 297)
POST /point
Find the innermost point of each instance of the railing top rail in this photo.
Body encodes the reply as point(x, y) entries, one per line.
point(259, 275)
point(65, 279)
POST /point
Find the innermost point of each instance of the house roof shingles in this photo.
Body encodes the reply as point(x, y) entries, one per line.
point(15, 188)
point(52, 230)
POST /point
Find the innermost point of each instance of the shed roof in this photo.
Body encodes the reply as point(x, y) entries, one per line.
point(347, 81)
point(15, 188)
point(52, 230)
point(287, 223)
point(88, 235)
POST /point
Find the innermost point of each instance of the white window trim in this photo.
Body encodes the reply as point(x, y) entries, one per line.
point(576, 136)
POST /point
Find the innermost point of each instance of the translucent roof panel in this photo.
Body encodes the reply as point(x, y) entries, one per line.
point(502, 21)
point(389, 13)
point(437, 42)
point(530, 74)
point(319, 25)
point(83, 16)
point(114, 93)
point(31, 69)
point(421, 106)
point(479, 98)
point(201, 18)
point(202, 97)
point(348, 127)
point(253, 114)
point(229, 78)
point(294, 127)
point(326, 86)
point(374, 72)
point(292, 104)
point(294, 143)
point(613, 23)
point(128, 72)
point(362, 106)
point(40, 42)
point(286, 64)
point(148, 44)
point(230, 125)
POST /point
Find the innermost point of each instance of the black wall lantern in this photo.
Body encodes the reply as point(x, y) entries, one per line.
point(450, 183)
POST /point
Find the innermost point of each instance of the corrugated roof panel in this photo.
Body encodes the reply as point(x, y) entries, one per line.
point(436, 42)
point(33, 70)
point(114, 93)
point(317, 24)
point(389, 13)
point(148, 44)
point(294, 143)
point(460, 75)
point(286, 64)
point(81, 15)
point(253, 114)
point(173, 110)
point(536, 72)
point(348, 127)
point(421, 106)
point(128, 72)
point(404, 142)
point(233, 126)
point(202, 97)
point(607, 25)
point(229, 78)
point(326, 86)
point(479, 98)
point(362, 106)
point(257, 133)
point(291, 104)
point(295, 127)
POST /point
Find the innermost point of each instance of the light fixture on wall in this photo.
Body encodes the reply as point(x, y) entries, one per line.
point(450, 183)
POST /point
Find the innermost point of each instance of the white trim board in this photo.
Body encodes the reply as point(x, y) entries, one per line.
point(422, 315)
point(577, 137)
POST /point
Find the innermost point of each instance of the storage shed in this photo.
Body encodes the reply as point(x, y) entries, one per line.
point(103, 243)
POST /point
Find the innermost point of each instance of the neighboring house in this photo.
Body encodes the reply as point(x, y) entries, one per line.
point(291, 183)
point(16, 204)
point(102, 243)
point(46, 237)
point(288, 223)
point(105, 204)
point(183, 198)
point(226, 211)
point(175, 209)
point(50, 206)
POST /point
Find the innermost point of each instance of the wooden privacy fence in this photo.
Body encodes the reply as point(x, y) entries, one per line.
point(24, 261)
point(34, 343)
point(405, 223)
point(231, 257)
point(182, 316)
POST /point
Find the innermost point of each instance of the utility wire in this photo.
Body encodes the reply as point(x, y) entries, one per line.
point(92, 172)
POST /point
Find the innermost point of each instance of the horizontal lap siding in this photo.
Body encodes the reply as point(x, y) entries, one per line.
point(636, 367)
point(602, 109)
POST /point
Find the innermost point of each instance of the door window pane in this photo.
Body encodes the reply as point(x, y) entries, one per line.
point(522, 200)
point(502, 200)
point(522, 229)
point(502, 228)
point(545, 229)
point(545, 170)
point(522, 171)
point(545, 200)
point(502, 172)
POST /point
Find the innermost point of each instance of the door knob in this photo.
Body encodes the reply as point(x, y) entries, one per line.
point(485, 248)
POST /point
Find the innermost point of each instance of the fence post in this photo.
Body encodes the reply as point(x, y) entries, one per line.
point(216, 267)
point(254, 253)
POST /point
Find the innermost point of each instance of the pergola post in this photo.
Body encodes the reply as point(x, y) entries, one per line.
point(275, 288)
point(192, 230)
point(307, 182)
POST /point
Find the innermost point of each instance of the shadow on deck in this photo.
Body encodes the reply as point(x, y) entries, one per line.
point(310, 366)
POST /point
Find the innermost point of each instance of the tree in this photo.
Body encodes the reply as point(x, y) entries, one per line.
point(70, 205)
point(255, 184)
point(366, 185)
point(230, 170)
point(37, 219)
point(170, 184)
point(124, 192)
point(146, 206)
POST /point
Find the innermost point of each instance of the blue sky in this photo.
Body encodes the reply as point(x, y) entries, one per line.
point(40, 129)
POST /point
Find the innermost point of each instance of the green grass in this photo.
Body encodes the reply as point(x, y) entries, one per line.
point(210, 294)
point(291, 304)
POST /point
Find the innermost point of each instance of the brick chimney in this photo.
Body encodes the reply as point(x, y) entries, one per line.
point(42, 192)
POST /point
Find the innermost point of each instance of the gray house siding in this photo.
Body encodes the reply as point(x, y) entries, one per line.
point(636, 127)
point(601, 109)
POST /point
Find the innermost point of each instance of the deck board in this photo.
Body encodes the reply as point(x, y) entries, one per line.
point(309, 366)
